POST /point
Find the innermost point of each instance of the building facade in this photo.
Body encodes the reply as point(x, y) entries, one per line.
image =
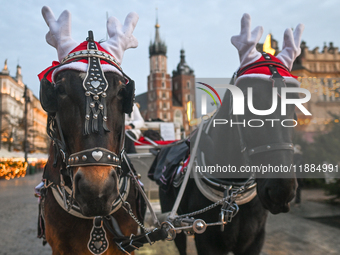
point(12, 115)
point(319, 72)
point(167, 97)
point(183, 90)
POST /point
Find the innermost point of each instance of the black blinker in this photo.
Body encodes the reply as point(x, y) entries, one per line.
point(128, 96)
point(48, 96)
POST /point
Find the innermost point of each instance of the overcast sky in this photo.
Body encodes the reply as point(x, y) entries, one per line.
point(202, 28)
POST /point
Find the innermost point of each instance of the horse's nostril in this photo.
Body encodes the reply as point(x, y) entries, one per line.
point(286, 208)
point(114, 174)
point(77, 178)
point(272, 196)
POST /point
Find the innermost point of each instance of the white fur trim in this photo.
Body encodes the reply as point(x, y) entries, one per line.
point(266, 77)
point(82, 67)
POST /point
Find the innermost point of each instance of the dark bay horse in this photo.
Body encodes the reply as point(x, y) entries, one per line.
point(87, 96)
point(251, 140)
point(95, 187)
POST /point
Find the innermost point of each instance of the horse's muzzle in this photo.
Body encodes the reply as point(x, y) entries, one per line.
point(95, 189)
point(275, 194)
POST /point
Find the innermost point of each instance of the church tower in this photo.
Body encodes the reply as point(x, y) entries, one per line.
point(159, 81)
point(183, 83)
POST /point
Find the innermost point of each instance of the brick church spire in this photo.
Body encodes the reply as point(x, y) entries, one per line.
point(183, 67)
point(158, 47)
point(159, 81)
point(167, 99)
point(183, 91)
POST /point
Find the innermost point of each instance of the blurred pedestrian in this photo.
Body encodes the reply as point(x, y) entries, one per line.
point(133, 123)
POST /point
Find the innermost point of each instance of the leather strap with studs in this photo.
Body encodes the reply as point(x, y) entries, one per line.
point(94, 156)
point(92, 53)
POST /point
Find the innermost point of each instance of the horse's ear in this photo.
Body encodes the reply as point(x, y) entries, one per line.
point(129, 96)
point(48, 96)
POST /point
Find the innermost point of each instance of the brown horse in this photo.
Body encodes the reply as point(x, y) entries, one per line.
point(90, 199)
point(95, 187)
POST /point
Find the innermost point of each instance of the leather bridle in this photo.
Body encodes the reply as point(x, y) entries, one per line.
point(247, 152)
point(96, 156)
point(277, 78)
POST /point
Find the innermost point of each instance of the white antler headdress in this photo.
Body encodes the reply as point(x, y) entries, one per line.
point(59, 35)
point(246, 41)
point(121, 37)
point(291, 46)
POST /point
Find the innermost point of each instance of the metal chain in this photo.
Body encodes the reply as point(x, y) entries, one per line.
point(133, 216)
point(228, 199)
point(223, 200)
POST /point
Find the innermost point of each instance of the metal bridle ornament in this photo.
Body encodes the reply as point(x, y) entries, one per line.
point(94, 156)
point(95, 85)
point(98, 242)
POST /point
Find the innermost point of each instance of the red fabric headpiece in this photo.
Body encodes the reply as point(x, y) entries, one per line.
point(73, 65)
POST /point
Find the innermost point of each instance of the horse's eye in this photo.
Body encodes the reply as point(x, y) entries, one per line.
point(121, 92)
point(61, 90)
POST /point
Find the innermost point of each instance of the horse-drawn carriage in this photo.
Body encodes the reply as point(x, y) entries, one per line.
point(92, 201)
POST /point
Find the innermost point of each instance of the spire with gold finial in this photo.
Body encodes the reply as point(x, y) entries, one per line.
point(158, 47)
point(157, 25)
